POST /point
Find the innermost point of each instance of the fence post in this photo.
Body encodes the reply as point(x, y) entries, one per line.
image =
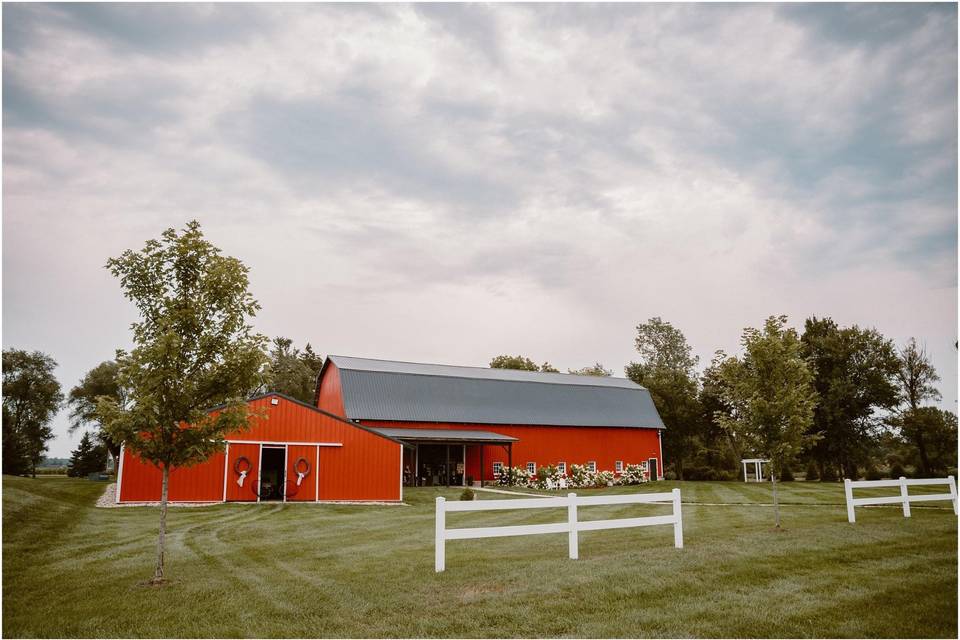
point(678, 522)
point(848, 490)
point(953, 492)
point(574, 536)
point(440, 544)
point(906, 497)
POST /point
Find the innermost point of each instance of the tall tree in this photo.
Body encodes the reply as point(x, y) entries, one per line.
point(594, 370)
point(31, 398)
point(771, 397)
point(102, 380)
point(193, 349)
point(514, 362)
point(667, 368)
point(290, 371)
point(939, 436)
point(916, 378)
point(855, 377)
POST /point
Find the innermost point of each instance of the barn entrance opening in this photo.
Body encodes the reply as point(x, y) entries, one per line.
point(440, 464)
point(272, 466)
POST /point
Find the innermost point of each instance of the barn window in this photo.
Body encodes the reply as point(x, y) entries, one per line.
point(592, 466)
point(619, 466)
point(531, 467)
point(562, 467)
point(497, 468)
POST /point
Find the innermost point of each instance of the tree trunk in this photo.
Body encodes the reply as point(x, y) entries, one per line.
point(922, 450)
point(158, 573)
point(776, 500)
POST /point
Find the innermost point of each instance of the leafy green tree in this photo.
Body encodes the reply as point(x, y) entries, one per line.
point(88, 457)
point(937, 430)
point(595, 370)
point(916, 377)
point(514, 362)
point(855, 377)
point(290, 371)
point(667, 368)
point(101, 381)
point(546, 367)
point(31, 398)
point(771, 396)
point(193, 349)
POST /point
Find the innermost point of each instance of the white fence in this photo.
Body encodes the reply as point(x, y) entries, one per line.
point(571, 527)
point(904, 498)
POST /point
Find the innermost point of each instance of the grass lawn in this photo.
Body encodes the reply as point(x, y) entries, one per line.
point(70, 569)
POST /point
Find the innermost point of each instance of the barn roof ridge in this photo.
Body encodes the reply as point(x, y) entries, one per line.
point(505, 375)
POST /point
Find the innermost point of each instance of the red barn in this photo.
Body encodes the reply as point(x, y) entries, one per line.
point(379, 425)
point(468, 422)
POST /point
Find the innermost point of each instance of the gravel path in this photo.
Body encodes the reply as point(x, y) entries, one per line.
point(109, 500)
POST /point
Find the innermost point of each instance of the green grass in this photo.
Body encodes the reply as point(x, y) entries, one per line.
point(70, 569)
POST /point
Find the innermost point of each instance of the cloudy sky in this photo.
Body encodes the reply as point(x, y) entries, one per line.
point(447, 183)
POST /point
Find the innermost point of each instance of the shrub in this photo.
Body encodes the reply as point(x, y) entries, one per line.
point(515, 477)
point(872, 473)
point(896, 471)
point(786, 475)
point(604, 479)
point(812, 472)
point(669, 475)
point(694, 472)
point(633, 474)
point(549, 477)
point(829, 475)
point(468, 494)
point(581, 477)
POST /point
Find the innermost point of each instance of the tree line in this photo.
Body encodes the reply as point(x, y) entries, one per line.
point(842, 401)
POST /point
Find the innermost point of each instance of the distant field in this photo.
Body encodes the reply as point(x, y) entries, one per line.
point(70, 569)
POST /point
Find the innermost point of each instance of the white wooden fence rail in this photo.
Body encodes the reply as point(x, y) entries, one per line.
point(904, 498)
point(571, 527)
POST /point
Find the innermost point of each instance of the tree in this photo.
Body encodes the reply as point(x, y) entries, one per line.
point(916, 377)
point(546, 367)
point(193, 349)
point(771, 397)
point(291, 372)
point(855, 377)
point(102, 380)
point(596, 370)
point(514, 362)
point(88, 457)
point(667, 368)
point(31, 397)
point(937, 430)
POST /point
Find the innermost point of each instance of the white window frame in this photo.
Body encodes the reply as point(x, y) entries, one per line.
point(562, 467)
point(592, 466)
point(529, 470)
point(497, 468)
point(618, 466)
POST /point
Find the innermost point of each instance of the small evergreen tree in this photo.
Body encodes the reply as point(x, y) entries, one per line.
point(87, 458)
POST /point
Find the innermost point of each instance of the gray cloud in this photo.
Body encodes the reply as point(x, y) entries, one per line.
point(537, 177)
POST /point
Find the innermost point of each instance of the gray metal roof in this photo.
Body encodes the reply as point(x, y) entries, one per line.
point(406, 391)
point(449, 435)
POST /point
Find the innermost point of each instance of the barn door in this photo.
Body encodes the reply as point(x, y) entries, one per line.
point(652, 466)
point(302, 459)
point(243, 461)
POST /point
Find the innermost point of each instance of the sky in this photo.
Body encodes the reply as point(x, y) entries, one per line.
point(445, 183)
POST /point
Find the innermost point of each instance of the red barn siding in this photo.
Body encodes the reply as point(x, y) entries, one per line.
point(365, 466)
point(236, 493)
point(308, 488)
point(330, 395)
point(549, 445)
